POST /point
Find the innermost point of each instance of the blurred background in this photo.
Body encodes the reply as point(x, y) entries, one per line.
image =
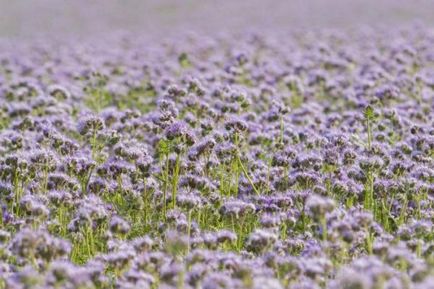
point(87, 18)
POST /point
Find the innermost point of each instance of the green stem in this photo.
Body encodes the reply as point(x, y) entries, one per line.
point(189, 230)
point(175, 181)
point(368, 126)
point(281, 130)
point(93, 144)
point(247, 176)
point(45, 179)
point(369, 192)
point(145, 201)
point(324, 228)
point(166, 184)
point(369, 242)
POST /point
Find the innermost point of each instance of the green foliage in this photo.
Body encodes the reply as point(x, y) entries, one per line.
point(183, 60)
point(369, 113)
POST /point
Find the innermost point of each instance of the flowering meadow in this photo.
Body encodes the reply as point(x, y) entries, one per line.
point(300, 159)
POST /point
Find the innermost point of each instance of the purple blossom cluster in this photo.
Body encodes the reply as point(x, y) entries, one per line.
point(296, 160)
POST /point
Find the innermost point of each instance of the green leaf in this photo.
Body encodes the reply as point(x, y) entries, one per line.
point(369, 113)
point(163, 147)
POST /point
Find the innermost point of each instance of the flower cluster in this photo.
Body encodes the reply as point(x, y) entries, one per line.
point(279, 160)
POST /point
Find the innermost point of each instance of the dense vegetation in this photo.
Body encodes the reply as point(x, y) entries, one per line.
point(292, 160)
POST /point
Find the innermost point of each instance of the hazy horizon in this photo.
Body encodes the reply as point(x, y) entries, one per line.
point(28, 19)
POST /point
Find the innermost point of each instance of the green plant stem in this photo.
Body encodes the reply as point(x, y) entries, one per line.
point(166, 184)
point(175, 180)
point(145, 202)
point(369, 130)
point(247, 176)
point(93, 144)
point(324, 228)
point(189, 230)
point(369, 192)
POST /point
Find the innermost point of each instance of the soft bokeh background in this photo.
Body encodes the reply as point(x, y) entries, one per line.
point(34, 18)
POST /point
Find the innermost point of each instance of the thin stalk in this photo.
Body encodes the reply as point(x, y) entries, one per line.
point(268, 174)
point(247, 176)
point(145, 201)
point(369, 192)
point(324, 228)
point(45, 179)
point(189, 230)
point(89, 241)
point(175, 180)
point(18, 192)
point(418, 248)
point(236, 169)
point(181, 278)
point(240, 163)
point(369, 242)
point(93, 141)
point(62, 220)
point(369, 130)
point(166, 185)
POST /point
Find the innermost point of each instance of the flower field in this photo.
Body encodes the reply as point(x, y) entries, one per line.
point(299, 160)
